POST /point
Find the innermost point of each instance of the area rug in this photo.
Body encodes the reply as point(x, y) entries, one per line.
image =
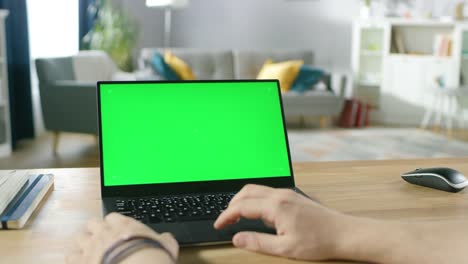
point(372, 144)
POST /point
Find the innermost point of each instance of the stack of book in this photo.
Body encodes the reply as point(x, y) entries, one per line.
point(443, 45)
point(20, 194)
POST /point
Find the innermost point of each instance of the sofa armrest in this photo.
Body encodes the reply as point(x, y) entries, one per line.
point(69, 106)
point(343, 85)
point(337, 83)
point(327, 81)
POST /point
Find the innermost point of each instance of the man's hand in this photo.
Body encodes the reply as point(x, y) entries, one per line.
point(99, 235)
point(305, 229)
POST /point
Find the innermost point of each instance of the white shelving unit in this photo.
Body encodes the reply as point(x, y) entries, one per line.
point(462, 34)
point(399, 83)
point(5, 124)
point(371, 53)
point(369, 46)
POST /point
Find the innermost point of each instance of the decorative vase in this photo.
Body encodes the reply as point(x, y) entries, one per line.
point(365, 12)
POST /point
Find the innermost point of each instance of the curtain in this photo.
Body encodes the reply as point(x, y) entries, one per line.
point(87, 16)
point(19, 73)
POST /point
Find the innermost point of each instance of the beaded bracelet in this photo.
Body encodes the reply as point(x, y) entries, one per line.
point(135, 243)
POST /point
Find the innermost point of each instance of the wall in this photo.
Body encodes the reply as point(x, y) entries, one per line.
point(321, 25)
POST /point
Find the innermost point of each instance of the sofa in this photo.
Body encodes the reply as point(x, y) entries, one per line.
point(67, 87)
point(241, 64)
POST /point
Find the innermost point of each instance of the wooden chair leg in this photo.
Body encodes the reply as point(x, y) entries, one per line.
point(55, 142)
point(324, 121)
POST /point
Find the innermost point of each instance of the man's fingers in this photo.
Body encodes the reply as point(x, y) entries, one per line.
point(115, 219)
point(252, 191)
point(259, 242)
point(249, 208)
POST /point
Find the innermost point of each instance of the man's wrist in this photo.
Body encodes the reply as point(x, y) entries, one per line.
point(148, 255)
point(132, 245)
point(370, 240)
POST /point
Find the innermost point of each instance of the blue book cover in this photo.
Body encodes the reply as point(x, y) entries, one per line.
point(26, 201)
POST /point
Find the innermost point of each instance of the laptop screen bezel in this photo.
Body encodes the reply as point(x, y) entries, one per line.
point(189, 187)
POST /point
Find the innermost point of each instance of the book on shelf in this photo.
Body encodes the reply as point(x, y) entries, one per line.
point(21, 193)
point(443, 45)
point(398, 43)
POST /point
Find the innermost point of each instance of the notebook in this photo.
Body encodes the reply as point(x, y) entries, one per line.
point(10, 184)
point(25, 200)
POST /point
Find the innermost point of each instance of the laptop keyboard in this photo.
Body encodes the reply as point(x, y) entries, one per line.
point(175, 208)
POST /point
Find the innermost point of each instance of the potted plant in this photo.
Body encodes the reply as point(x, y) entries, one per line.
point(114, 32)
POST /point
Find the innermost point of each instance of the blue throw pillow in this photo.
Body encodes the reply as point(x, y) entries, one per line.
point(163, 69)
point(307, 78)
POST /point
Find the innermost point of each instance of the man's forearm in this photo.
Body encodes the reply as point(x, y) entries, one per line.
point(391, 242)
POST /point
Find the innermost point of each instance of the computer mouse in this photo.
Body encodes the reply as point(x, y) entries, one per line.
point(444, 179)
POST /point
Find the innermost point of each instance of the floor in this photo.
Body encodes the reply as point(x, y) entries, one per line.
point(373, 144)
point(76, 150)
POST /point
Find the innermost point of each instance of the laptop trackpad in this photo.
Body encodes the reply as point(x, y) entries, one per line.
point(249, 225)
point(204, 232)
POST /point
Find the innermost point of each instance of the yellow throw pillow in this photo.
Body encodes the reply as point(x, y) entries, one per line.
point(181, 68)
point(286, 72)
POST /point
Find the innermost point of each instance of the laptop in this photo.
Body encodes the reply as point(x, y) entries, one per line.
point(173, 154)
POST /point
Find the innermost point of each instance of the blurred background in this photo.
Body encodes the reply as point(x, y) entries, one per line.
point(360, 79)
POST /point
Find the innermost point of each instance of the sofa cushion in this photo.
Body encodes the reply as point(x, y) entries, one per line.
point(179, 66)
point(162, 68)
point(307, 78)
point(93, 66)
point(206, 64)
point(247, 64)
point(285, 72)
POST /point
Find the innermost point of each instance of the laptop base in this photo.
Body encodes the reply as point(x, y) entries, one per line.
point(202, 233)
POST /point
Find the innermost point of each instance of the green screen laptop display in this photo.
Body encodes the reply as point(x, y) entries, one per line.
point(194, 131)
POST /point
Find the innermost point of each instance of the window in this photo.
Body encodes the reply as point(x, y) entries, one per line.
point(53, 32)
point(53, 27)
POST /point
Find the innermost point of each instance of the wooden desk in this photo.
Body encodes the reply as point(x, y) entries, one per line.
point(365, 188)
